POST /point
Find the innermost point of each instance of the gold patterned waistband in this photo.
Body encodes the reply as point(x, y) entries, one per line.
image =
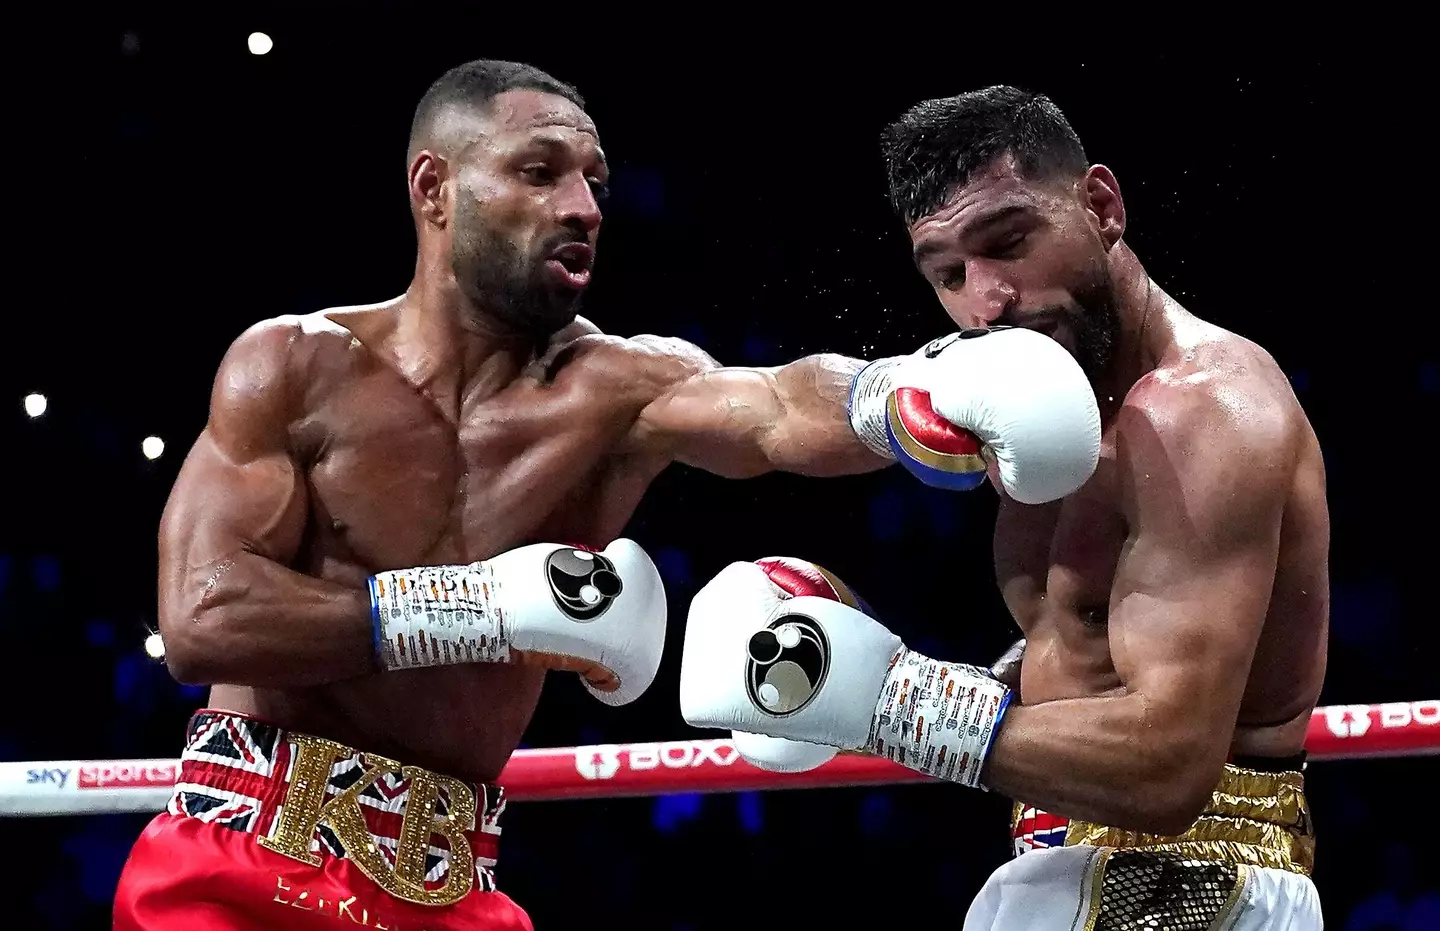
point(1253, 817)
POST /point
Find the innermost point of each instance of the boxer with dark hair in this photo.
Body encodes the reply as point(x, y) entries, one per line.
point(1174, 607)
point(362, 554)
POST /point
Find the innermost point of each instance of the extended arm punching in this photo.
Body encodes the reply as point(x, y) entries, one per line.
point(1204, 487)
point(1015, 396)
point(742, 422)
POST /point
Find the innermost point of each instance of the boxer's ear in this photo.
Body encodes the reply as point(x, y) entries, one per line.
point(427, 177)
point(1101, 195)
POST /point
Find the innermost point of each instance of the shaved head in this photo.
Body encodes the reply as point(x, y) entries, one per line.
point(448, 117)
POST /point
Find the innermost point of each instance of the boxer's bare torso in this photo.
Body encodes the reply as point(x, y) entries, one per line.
point(388, 474)
point(1056, 564)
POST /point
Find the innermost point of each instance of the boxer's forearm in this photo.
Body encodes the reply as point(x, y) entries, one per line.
point(812, 435)
point(250, 621)
point(742, 422)
point(1099, 759)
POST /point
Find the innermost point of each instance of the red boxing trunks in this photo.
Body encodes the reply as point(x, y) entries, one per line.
point(278, 830)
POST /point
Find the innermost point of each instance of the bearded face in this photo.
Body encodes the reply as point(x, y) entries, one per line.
point(1006, 251)
point(529, 178)
point(506, 274)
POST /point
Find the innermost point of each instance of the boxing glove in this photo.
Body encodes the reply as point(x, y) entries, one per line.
point(601, 614)
point(779, 755)
point(817, 670)
point(1010, 394)
point(790, 578)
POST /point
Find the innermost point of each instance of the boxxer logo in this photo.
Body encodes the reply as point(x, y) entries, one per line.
point(597, 762)
point(605, 760)
point(786, 664)
point(584, 584)
point(1357, 720)
point(1348, 720)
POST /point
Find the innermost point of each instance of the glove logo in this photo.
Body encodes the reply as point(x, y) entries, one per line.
point(938, 344)
point(977, 332)
point(786, 665)
point(584, 584)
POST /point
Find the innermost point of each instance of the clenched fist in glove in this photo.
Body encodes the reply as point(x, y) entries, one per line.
point(600, 614)
point(1011, 394)
point(790, 578)
point(812, 669)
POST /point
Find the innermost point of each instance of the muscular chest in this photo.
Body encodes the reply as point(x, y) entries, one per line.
point(1055, 564)
point(394, 483)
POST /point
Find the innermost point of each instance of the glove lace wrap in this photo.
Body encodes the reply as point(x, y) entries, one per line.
point(866, 406)
point(937, 718)
point(437, 615)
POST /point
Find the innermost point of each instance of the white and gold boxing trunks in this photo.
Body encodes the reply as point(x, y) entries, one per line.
point(1244, 865)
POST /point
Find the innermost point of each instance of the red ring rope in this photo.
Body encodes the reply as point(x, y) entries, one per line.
point(1337, 732)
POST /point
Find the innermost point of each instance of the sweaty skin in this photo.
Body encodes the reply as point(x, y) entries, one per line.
point(1175, 608)
point(414, 432)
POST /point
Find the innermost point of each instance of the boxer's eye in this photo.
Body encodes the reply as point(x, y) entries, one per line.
point(1008, 245)
point(952, 277)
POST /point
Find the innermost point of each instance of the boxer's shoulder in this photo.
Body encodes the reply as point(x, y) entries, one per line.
point(642, 367)
point(1220, 397)
point(301, 340)
point(281, 363)
point(1216, 370)
point(260, 357)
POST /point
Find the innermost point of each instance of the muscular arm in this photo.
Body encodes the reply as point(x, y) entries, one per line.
point(1204, 487)
point(742, 422)
point(230, 609)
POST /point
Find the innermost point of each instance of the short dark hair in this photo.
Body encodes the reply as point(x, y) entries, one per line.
point(938, 145)
point(474, 84)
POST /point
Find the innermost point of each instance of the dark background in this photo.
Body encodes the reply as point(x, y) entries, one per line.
point(168, 189)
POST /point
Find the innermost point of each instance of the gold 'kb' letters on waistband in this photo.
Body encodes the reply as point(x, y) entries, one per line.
point(305, 809)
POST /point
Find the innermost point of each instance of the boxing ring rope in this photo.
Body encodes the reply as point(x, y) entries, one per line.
point(84, 787)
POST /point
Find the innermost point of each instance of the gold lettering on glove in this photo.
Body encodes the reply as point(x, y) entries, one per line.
point(305, 809)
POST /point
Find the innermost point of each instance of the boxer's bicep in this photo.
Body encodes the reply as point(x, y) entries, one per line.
point(1203, 489)
point(239, 487)
point(238, 491)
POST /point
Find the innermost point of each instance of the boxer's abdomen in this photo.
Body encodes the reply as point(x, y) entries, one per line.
point(463, 720)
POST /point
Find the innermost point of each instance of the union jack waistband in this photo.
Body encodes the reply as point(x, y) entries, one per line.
point(242, 774)
point(1258, 814)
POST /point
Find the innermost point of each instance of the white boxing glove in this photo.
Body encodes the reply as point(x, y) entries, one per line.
point(601, 614)
point(817, 670)
point(779, 755)
point(789, 578)
point(1010, 393)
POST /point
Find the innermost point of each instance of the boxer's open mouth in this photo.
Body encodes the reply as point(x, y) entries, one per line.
point(576, 257)
point(572, 263)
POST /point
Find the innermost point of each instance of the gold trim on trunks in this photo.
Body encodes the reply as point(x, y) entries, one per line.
point(1253, 817)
